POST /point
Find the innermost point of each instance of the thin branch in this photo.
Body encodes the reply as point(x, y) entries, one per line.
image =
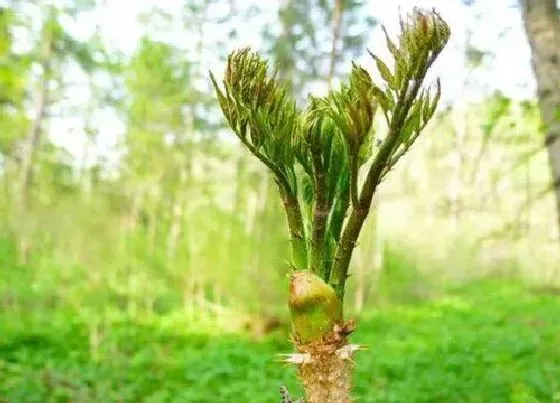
point(514, 222)
point(361, 210)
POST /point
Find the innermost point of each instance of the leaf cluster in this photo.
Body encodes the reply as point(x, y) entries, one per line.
point(316, 154)
point(260, 112)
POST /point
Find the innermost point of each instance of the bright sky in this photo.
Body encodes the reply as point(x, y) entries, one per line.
point(498, 30)
point(496, 24)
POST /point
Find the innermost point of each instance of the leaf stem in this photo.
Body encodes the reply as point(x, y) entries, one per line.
point(320, 213)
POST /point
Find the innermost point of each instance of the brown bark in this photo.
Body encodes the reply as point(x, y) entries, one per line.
point(324, 356)
point(326, 371)
point(542, 26)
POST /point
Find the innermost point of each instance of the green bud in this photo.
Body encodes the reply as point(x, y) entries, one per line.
point(353, 109)
point(426, 30)
point(314, 306)
point(259, 110)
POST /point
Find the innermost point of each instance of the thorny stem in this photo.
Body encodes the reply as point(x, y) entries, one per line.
point(285, 395)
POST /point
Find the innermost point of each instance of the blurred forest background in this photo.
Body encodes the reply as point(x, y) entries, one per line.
point(125, 199)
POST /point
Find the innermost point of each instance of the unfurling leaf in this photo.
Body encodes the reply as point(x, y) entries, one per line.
point(423, 36)
point(436, 98)
point(259, 111)
point(384, 99)
point(353, 108)
point(411, 125)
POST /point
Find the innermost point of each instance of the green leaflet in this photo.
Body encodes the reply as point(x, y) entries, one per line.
point(386, 74)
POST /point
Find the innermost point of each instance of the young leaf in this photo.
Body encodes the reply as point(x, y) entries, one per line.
point(385, 72)
point(436, 99)
point(390, 45)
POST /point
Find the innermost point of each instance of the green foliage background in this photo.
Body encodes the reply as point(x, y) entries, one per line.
point(494, 340)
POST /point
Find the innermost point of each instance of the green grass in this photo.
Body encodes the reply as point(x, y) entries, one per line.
point(490, 343)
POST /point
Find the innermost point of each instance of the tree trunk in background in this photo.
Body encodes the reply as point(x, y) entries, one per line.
point(153, 218)
point(34, 136)
point(180, 206)
point(542, 26)
point(178, 210)
point(236, 228)
point(39, 110)
point(85, 175)
point(456, 185)
point(336, 19)
point(264, 221)
point(176, 220)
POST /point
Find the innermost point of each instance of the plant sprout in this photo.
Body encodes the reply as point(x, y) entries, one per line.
point(316, 157)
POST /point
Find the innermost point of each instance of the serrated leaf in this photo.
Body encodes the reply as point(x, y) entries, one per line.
point(426, 106)
point(390, 44)
point(382, 98)
point(436, 98)
point(407, 130)
point(259, 110)
point(336, 163)
point(341, 202)
point(366, 149)
point(417, 107)
point(412, 123)
point(307, 190)
point(385, 72)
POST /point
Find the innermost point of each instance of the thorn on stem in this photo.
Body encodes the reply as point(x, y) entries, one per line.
point(347, 351)
point(286, 396)
point(296, 358)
